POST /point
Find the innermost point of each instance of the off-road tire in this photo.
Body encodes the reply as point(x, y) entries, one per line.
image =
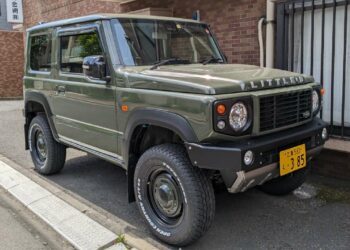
point(56, 152)
point(195, 187)
point(284, 185)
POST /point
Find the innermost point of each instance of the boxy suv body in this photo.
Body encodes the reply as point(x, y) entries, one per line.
point(157, 97)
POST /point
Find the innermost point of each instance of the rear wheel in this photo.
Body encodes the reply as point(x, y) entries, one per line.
point(175, 198)
point(285, 184)
point(48, 155)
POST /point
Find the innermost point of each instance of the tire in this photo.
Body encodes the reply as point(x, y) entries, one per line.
point(284, 185)
point(48, 155)
point(182, 224)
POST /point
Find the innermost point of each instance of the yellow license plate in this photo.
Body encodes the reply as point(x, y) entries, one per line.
point(292, 159)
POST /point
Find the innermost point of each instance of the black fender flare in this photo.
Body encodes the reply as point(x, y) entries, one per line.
point(172, 121)
point(41, 99)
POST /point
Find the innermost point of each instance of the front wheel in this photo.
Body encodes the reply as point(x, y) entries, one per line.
point(176, 199)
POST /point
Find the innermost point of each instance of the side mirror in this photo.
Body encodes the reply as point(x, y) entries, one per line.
point(94, 67)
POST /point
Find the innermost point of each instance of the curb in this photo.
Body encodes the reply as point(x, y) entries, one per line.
point(14, 98)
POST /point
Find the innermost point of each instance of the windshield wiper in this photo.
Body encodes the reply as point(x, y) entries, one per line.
point(212, 60)
point(173, 60)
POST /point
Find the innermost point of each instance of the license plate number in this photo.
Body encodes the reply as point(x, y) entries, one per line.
point(292, 159)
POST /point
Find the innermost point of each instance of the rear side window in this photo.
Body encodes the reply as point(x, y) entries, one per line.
point(75, 48)
point(40, 53)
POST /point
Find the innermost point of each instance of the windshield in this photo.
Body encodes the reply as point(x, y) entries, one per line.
point(148, 42)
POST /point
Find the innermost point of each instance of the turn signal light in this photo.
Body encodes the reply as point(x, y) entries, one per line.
point(221, 109)
point(125, 108)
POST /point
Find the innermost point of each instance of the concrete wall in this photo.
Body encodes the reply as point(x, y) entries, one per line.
point(333, 163)
point(11, 60)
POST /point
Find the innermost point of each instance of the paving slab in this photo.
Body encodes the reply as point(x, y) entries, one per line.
point(28, 192)
point(11, 178)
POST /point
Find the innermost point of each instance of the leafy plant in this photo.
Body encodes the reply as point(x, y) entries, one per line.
point(89, 45)
point(121, 239)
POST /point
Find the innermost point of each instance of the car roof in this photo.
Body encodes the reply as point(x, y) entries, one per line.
point(96, 17)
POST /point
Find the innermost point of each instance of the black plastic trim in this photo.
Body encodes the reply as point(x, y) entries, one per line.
point(41, 99)
point(227, 156)
point(171, 121)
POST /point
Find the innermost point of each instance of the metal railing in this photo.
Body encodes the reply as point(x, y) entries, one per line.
point(312, 38)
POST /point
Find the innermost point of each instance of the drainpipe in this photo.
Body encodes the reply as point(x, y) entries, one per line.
point(261, 41)
point(270, 33)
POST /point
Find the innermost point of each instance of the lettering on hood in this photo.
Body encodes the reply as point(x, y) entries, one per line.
point(273, 83)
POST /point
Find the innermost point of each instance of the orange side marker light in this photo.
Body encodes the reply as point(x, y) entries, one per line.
point(125, 108)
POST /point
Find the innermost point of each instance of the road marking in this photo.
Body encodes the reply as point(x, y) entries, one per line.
point(80, 230)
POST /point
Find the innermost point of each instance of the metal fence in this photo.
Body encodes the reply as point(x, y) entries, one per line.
point(313, 38)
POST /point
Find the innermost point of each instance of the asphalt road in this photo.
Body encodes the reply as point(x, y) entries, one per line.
point(250, 220)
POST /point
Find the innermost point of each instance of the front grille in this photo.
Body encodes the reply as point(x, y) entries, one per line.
point(285, 109)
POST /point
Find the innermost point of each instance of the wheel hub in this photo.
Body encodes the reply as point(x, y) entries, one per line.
point(41, 146)
point(166, 196)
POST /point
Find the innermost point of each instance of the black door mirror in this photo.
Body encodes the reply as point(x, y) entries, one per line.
point(94, 67)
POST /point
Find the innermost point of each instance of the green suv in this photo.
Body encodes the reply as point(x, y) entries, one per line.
point(156, 96)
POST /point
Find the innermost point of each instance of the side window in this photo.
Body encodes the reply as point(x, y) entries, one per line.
point(40, 53)
point(75, 48)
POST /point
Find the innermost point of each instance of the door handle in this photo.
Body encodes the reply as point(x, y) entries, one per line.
point(60, 90)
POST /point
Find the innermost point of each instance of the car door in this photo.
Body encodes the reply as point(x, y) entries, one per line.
point(84, 108)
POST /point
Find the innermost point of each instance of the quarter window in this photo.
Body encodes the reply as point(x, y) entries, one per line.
point(40, 53)
point(75, 48)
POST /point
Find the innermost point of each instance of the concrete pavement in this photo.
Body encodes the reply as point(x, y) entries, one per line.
point(251, 220)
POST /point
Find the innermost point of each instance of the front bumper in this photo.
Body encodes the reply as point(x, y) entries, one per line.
point(227, 157)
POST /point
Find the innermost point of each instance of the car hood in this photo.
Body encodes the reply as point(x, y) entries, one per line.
point(209, 79)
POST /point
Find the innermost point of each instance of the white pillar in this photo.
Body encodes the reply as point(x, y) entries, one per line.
point(270, 33)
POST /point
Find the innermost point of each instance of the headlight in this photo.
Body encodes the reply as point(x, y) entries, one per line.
point(233, 116)
point(315, 101)
point(238, 116)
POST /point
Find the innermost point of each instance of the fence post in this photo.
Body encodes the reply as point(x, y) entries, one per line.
point(280, 55)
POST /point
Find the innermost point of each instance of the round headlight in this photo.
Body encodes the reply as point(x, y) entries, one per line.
point(315, 101)
point(238, 116)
